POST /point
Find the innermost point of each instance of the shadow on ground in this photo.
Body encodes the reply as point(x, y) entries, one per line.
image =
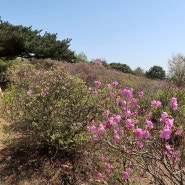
point(32, 165)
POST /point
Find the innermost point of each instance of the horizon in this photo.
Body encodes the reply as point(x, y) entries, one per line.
point(138, 34)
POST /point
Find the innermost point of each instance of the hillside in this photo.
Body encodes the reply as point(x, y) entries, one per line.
point(86, 124)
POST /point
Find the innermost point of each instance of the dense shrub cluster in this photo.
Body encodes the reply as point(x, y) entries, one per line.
point(125, 133)
point(133, 140)
point(51, 107)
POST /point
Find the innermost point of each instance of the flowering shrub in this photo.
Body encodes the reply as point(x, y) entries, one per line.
point(51, 107)
point(130, 143)
point(127, 134)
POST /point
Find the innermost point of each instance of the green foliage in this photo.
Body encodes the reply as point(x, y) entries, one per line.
point(51, 107)
point(3, 65)
point(139, 72)
point(23, 41)
point(156, 72)
point(121, 67)
point(81, 57)
point(11, 43)
point(105, 64)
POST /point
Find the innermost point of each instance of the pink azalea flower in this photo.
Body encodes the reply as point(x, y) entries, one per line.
point(126, 174)
point(141, 93)
point(102, 157)
point(168, 147)
point(130, 124)
point(107, 112)
point(91, 128)
point(129, 170)
point(178, 131)
point(117, 118)
point(109, 86)
point(159, 104)
point(165, 119)
point(169, 122)
point(117, 100)
point(128, 113)
point(149, 123)
point(108, 124)
point(174, 104)
point(112, 94)
point(95, 137)
point(95, 92)
point(155, 103)
point(123, 102)
point(108, 165)
point(114, 83)
point(142, 175)
point(121, 132)
point(128, 92)
point(165, 133)
point(100, 176)
point(97, 83)
point(29, 92)
point(101, 129)
point(164, 116)
point(116, 138)
point(138, 132)
point(134, 101)
point(140, 144)
point(146, 133)
point(134, 164)
point(113, 122)
point(175, 155)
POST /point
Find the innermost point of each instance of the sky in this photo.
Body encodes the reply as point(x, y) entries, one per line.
point(139, 33)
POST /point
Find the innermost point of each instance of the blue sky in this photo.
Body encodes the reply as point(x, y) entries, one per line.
point(139, 33)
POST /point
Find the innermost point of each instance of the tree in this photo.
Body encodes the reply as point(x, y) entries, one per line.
point(11, 41)
point(104, 63)
point(21, 41)
point(156, 72)
point(81, 57)
point(121, 67)
point(139, 72)
point(176, 67)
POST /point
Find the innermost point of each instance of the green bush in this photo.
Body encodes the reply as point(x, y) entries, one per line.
point(121, 67)
point(50, 107)
point(3, 67)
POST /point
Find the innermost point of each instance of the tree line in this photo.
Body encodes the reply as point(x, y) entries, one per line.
point(155, 72)
point(175, 73)
point(25, 42)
